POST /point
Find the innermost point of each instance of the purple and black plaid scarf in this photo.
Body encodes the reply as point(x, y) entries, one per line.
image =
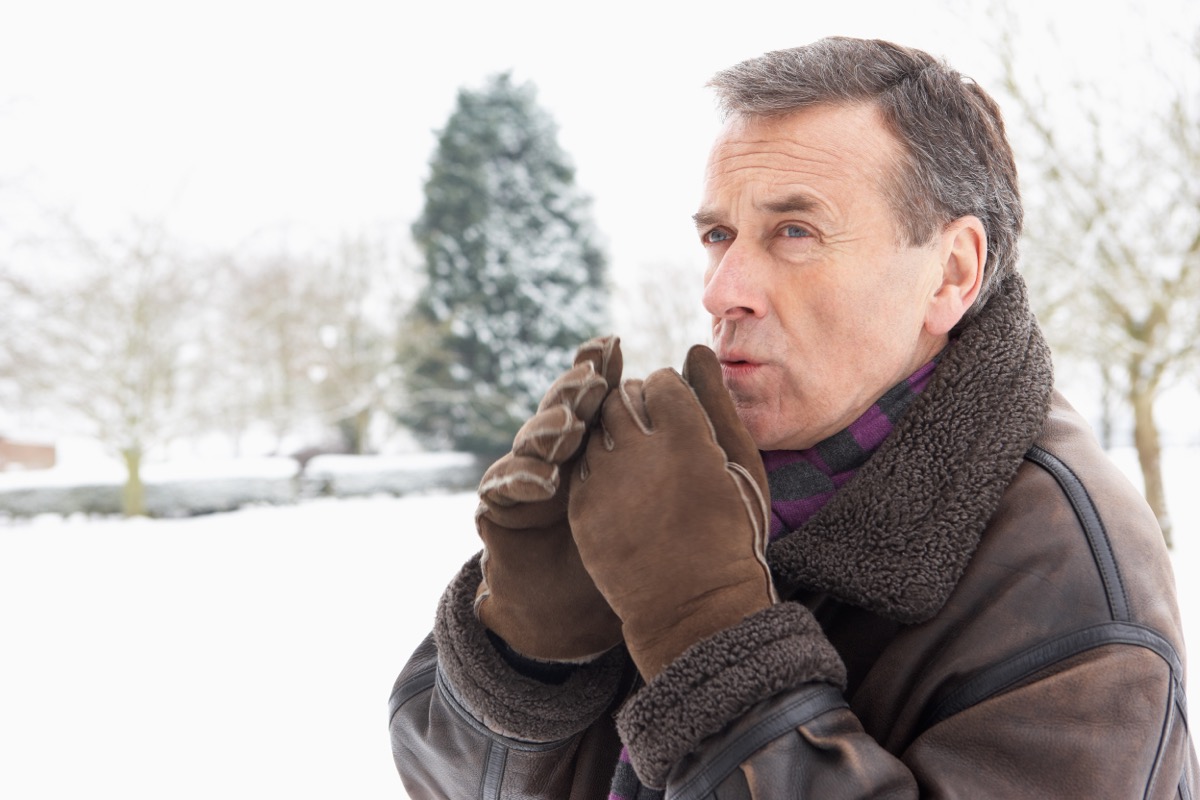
point(802, 481)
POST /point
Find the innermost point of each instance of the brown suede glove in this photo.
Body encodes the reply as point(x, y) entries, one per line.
point(669, 507)
point(535, 592)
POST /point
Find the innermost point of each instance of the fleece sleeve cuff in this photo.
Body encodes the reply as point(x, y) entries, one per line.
point(506, 701)
point(719, 679)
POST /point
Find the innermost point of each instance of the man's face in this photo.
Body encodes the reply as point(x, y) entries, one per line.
point(817, 307)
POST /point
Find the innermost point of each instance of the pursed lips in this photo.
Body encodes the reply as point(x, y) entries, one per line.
point(736, 364)
point(734, 355)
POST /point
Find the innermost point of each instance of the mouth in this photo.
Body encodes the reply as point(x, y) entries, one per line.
point(737, 365)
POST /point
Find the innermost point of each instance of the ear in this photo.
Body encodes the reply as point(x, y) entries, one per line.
point(963, 254)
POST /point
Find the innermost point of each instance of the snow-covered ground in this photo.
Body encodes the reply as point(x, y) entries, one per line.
point(241, 655)
point(250, 654)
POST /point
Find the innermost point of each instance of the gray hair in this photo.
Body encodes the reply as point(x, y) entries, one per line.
point(957, 160)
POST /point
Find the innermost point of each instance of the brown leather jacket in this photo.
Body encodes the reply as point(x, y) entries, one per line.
point(986, 610)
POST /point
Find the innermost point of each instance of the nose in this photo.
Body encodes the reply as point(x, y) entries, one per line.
point(733, 288)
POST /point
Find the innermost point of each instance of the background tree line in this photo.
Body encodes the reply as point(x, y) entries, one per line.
point(149, 343)
point(141, 341)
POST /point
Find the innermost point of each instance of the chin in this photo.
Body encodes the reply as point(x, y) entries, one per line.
point(759, 424)
point(762, 438)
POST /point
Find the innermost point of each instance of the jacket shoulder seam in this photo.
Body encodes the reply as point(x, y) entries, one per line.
point(1006, 674)
point(1093, 528)
point(421, 682)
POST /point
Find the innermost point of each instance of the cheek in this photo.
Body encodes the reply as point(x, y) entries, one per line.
point(817, 311)
point(889, 311)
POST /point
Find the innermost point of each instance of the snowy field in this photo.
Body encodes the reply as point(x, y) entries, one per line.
point(250, 654)
point(241, 655)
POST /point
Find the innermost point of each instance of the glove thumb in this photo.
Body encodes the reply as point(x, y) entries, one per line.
point(702, 372)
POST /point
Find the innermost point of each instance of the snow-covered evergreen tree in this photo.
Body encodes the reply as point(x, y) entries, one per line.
point(515, 280)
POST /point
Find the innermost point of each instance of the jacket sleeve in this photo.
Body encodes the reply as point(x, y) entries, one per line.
point(1106, 721)
point(465, 724)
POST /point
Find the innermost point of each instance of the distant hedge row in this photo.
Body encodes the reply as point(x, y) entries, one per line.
point(324, 476)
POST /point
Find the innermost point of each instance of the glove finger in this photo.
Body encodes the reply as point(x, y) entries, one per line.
point(605, 355)
point(623, 415)
point(702, 371)
point(580, 389)
point(671, 404)
point(518, 479)
point(552, 435)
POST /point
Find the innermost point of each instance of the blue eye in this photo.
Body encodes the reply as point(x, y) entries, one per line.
point(715, 236)
point(795, 232)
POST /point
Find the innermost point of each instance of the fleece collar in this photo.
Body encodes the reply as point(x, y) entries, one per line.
point(896, 539)
point(802, 481)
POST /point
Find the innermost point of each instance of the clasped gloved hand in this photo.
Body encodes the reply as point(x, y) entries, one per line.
point(670, 508)
point(536, 594)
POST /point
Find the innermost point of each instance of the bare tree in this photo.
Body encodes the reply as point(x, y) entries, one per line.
point(13, 291)
point(357, 371)
point(138, 343)
point(108, 336)
point(309, 339)
point(270, 325)
point(1112, 241)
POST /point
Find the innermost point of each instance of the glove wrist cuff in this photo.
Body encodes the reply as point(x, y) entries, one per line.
point(501, 698)
point(718, 680)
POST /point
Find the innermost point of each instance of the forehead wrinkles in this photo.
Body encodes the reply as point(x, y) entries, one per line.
point(787, 155)
point(831, 143)
point(805, 161)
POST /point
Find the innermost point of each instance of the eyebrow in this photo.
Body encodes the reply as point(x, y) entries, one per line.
point(703, 218)
point(791, 203)
point(786, 205)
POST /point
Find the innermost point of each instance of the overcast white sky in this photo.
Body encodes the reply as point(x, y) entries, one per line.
point(223, 118)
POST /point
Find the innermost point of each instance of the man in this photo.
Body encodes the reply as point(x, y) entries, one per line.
point(863, 550)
